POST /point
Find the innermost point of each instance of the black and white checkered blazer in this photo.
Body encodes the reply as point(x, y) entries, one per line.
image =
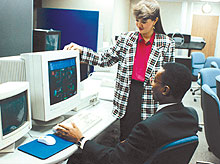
point(123, 53)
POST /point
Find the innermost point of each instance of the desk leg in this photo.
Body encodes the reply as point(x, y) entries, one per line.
point(189, 52)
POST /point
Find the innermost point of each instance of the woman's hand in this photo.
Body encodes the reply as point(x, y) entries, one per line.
point(70, 133)
point(73, 46)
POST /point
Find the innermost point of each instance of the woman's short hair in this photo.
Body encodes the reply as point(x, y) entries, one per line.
point(149, 9)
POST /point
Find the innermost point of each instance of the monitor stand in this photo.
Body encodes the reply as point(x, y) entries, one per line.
point(8, 149)
point(52, 122)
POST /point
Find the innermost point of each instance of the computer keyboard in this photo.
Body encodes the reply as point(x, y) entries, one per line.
point(83, 120)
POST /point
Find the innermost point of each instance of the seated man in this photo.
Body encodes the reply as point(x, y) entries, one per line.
point(172, 121)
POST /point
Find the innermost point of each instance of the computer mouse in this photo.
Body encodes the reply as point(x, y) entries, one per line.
point(48, 140)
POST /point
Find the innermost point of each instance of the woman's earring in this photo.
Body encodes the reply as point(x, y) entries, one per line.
point(153, 27)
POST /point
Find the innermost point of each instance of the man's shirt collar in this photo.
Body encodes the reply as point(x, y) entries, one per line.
point(164, 105)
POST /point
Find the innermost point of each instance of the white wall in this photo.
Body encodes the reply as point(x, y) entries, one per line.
point(197, 9)
point(113, 14)
point(121, 16)
point(171, 16)
point(132, 26)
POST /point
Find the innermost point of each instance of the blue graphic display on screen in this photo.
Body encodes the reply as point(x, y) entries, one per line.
point(62, 80)
point(14, 111)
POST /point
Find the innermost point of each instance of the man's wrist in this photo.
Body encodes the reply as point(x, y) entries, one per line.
point(81, 142)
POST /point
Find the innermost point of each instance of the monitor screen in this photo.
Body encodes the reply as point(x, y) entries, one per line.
point(14, 112)
point(62, 79)
point(52, 42)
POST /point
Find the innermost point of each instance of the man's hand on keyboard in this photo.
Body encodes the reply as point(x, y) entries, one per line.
point(69, 132)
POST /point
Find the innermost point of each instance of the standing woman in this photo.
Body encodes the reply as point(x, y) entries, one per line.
point(139, 54)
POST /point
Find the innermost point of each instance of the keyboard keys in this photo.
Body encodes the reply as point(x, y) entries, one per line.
point(83, 120)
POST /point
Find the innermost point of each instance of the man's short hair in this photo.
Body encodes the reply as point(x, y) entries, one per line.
point(178, 77)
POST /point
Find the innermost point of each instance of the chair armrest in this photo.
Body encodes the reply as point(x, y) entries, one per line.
point(214, 64)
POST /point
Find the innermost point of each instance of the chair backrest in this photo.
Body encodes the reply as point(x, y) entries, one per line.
point(210, 60)
point(198, 62)
point(211, 114)
point(179, 151)
point(207, 76)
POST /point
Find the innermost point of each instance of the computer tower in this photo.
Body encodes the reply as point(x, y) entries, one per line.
point(46, 40)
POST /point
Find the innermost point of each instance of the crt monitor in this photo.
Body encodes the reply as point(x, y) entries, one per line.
point(15, 112)
point(54, 78)
point(46, 40)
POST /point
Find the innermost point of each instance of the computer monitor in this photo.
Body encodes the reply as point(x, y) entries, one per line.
point(54, 78)
point(46, 40)
point(15, 112)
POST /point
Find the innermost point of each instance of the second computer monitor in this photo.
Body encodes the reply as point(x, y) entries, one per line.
point(15, 112)
point(46, 40)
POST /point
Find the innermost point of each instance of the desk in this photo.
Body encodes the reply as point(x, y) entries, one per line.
point(104, 109)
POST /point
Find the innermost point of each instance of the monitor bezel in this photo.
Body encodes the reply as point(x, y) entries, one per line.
point(7, 90)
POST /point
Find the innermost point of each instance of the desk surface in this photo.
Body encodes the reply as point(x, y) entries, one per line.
point(104, 109)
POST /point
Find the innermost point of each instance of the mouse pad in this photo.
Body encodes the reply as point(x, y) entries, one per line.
point(43, 151)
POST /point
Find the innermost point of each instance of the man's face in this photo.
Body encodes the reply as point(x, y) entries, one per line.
point(157, 86)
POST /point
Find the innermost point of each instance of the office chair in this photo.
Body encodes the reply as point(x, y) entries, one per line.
point(213, 62)
point(211, 108)
point(198, 62)
point(208, 76)
point(179, 151)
